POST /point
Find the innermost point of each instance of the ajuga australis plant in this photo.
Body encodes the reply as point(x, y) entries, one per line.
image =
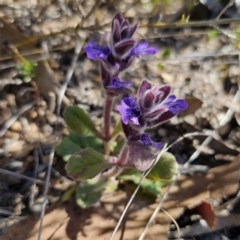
point(88, 151)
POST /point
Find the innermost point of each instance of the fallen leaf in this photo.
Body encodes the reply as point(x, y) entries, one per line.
point(206, 211)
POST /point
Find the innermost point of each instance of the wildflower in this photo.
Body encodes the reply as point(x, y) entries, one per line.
point(94, 51)
point(143, 48)
point(154, 106)
point(129, 110)
point(147, 141)
point(118, 87)
point(118, 54)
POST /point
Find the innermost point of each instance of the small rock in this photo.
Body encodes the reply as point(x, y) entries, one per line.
point(191, 119)
point(12, 135)
point(33, 114)
point(14, 146)
point(16, 127)
point(51, 118)
point(14, 165)
point(37, 205)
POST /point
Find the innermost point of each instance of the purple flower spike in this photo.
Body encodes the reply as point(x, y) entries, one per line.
point(129, 110)
point(116, 84)
point(147, 141)
point(118, 54)
point(94, 51)
point(143, 48)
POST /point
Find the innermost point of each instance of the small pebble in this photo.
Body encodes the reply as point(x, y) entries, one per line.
point(16, 127)
point(12, 135)
point(33, 114)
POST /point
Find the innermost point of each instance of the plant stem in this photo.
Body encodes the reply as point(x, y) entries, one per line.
point(107, 121)
point(124, 156)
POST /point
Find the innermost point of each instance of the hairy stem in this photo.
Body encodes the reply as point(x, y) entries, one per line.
point(123, 156)
point(107, 122)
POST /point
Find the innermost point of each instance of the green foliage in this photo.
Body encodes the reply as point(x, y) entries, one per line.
point(184, 19)
point(79, 121)
point(90, 191)
point(26, 70)
point(161, 174)
point(152, 187)
point(68, 194)
point(212, 34)
point(238, 32)
point(117, 130)
point(86, 164)
point(112, 145)
point(160, 66)
point(165, 169)
point(73, 143)
point(166, 54)
point(120, 141)
point(148, 186)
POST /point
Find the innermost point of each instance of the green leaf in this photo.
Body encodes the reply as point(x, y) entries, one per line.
point(160, 66)
point(147, 186)
point(90, 191)
point(26, 70)
point(184, 19)
point(73, 143)
point(119, 146)
point(212, 34)
point(131, 175)
point(152, 187)
point(166, 53)
point(112, 145)
point(165, 169)
point(68, 194)
point(79, 121)
point(238, 32)
point(86, 164)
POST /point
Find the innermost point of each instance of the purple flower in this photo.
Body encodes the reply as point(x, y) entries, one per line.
point(129, 110)
point(147, 141)
point(116, 83)
point(118, 87)
point(156, 105)
point(121, 29)
point(122, 48)
point(143, 48)
point(136, 135)
point(175, 105)
point(94, 51)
